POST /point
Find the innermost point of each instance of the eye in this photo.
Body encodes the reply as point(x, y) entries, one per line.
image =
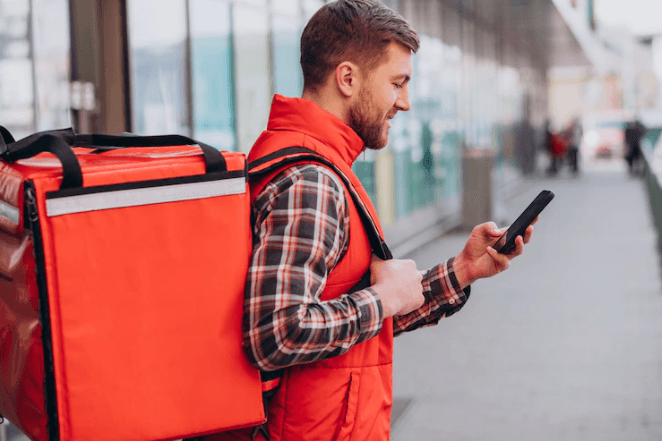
point(398, 85)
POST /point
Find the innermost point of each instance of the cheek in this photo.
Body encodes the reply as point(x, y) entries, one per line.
point(388, 101)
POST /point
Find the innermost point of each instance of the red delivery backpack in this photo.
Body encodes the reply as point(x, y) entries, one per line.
point(123, 262)
point(122, 277)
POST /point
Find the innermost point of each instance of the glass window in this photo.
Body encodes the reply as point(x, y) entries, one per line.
point(400, 142)
point(426, 97)
point(51, 58)
point(157, 45)
point(287, 72)
point(450, 138)
point(261, 3)
point(467, 122)
point(250, 25)
point(16, 69)
point(286, 7)
point(310, 7)
point(34, 65)
point(212, 71)
point(393, 4)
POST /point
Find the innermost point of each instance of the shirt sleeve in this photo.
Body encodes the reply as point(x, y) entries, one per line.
point(300, 234)
point(443, 297)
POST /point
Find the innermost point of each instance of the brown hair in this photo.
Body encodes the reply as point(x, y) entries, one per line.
point(353, 30)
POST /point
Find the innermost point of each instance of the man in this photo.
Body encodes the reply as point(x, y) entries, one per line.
point(333, 345)
point(633, 133)
point(574, 135)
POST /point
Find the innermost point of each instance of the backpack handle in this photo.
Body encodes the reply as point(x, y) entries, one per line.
point(60, 144)
point(214, 160)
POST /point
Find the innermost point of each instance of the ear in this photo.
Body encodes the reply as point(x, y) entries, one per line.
point(347, 78)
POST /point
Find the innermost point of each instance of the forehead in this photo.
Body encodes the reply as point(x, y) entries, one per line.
point(397, 62)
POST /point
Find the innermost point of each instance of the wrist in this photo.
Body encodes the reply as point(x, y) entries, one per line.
point(462, 272)
point(388, 310)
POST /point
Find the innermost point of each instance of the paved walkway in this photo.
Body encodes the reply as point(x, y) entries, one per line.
point(565, 345)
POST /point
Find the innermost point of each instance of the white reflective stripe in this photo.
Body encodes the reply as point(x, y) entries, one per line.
point(9, 212)
point(144, 196)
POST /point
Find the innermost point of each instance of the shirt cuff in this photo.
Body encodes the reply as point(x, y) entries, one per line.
point(441, 281)
point(369, 313)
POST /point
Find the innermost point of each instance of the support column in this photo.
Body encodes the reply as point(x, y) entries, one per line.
point(99, 56)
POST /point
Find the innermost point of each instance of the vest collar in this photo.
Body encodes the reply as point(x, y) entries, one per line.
point(306, 117)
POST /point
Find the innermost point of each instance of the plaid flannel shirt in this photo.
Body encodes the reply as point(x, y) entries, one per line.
point(301, 226)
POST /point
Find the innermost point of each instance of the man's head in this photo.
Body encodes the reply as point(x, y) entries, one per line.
point(356, 60)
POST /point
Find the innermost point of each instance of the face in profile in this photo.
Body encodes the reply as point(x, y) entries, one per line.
point(383, 93)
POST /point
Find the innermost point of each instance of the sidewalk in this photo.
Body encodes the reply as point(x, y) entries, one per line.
point(565, 345)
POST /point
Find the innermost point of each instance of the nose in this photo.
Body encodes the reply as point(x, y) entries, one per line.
point(403, 101)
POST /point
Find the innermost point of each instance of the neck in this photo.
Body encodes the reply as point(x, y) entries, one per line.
point(328, 102)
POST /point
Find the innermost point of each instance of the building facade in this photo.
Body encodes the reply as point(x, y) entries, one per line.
point(209, 68)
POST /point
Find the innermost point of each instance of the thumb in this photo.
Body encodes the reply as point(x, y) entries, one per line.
point(490, 229)
point(374, 268)
point(375, 260)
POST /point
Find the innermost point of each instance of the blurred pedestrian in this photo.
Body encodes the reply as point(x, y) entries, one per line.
point(427, 164)
point(574, 137)
point(557, 145)
point(526, 147)
point(331, 346)
point(633, 133)
point(548, 146)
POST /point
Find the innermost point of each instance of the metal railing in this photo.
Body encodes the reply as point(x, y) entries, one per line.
point(652, 178)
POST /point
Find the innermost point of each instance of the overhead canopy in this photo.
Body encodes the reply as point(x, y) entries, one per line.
point(533, 27)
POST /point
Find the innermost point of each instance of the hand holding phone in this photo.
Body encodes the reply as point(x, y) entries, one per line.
point(507, 242)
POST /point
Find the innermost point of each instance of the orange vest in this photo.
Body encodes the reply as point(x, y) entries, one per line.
point(347, 397)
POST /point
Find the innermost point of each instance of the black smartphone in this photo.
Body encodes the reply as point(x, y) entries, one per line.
point(507, 242)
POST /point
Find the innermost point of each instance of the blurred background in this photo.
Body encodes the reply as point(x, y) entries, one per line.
point(508, 97)
point(492, 80)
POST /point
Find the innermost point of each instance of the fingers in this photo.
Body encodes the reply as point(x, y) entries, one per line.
point(502, 262)
point(375, 258)
point(519, 247)
point(489, 226)
point(528, 234)
point(398, 283)
point(488, 229)
point(375, 268)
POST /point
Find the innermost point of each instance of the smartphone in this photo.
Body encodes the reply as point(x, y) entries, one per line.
point(507, 242)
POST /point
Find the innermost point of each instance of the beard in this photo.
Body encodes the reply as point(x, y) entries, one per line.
point(371, 130)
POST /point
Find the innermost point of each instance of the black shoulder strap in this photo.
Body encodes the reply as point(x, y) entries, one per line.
point(260, 167)
point(5, 138)
point(292, 155)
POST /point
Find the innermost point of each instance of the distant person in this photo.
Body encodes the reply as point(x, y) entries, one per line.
point(557, 147)
point(427, 164)
point(548, 147)
point(526, 147)
point(633, 133)
point(574, 137)
point(331, 346)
